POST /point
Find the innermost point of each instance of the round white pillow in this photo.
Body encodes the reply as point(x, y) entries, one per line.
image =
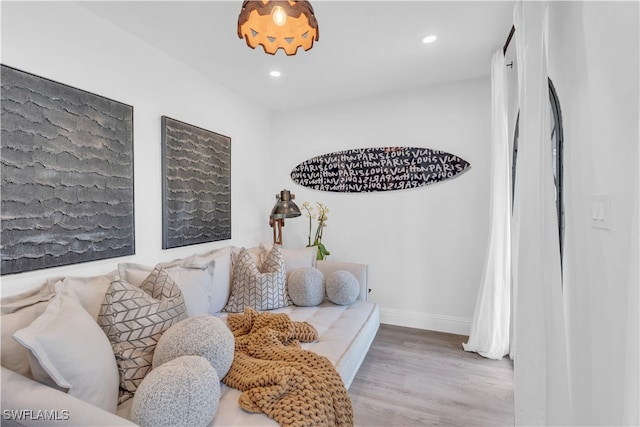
point(306, 286)
point(203, 335)
point(342, 287)
point(182, 392)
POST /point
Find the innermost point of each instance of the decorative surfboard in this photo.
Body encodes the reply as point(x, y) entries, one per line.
point(363, 170)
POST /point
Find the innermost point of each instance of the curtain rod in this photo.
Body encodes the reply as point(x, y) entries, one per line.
point(506, 44)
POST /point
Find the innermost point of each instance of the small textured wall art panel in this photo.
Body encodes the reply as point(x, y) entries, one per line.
point(196, 185)
point(378, 169)
point(67, 174)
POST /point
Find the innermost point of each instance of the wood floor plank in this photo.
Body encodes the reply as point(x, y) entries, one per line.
point(413, 377)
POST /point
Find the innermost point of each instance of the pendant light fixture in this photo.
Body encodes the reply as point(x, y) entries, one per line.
point(278, 24)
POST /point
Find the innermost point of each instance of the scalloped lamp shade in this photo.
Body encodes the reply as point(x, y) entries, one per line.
point(275, 24)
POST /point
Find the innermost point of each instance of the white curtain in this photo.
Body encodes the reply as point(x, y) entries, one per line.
point(631, 404)
point(489, 334)
point(541, 379)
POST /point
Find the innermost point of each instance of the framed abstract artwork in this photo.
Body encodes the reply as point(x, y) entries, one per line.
point(196, 185)
point(67, 174)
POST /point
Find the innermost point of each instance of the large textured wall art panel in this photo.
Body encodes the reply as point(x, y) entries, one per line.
point(196, 185)
point(378, 169)
point(67, 174)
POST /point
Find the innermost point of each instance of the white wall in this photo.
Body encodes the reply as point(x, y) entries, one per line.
point(64, 42)
point(425, 247)
point(593, 62)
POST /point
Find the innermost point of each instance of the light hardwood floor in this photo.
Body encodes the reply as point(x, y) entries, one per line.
point(413, 377)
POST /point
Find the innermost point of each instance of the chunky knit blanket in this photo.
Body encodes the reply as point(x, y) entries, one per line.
point(293, 386)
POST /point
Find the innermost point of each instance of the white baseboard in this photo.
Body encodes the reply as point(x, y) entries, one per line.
point(431, 322)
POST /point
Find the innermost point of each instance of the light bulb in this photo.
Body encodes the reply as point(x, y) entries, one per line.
point(279, 16)
point(429, 39)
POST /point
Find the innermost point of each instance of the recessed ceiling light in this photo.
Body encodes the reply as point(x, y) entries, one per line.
point(429, 39)
point(275, 73)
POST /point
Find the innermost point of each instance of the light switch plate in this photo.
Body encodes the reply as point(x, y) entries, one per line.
point(601, 211)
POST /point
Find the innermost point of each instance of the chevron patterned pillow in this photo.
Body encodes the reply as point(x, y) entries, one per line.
point(134, 318)
point(261, 288)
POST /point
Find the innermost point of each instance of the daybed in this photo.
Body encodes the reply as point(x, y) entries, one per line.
point(32, 395)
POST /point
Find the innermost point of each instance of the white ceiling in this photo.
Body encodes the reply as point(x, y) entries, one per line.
point(365, 47)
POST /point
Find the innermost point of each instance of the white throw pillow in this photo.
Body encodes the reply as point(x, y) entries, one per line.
point(257, 253)
point(195, 280)
point(134, 273)
point(221, 288)
point(90, 290)
point(18, 312)
point(73, 351)
point(295, 259)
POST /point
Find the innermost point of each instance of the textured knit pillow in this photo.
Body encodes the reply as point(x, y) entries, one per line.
point(262, 288)
point(205, 336)
point(182, 392)
point(342, 287)
point(306, 287)
point(134, 319)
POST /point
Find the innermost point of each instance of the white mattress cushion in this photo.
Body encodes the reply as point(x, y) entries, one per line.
point(345, 334)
